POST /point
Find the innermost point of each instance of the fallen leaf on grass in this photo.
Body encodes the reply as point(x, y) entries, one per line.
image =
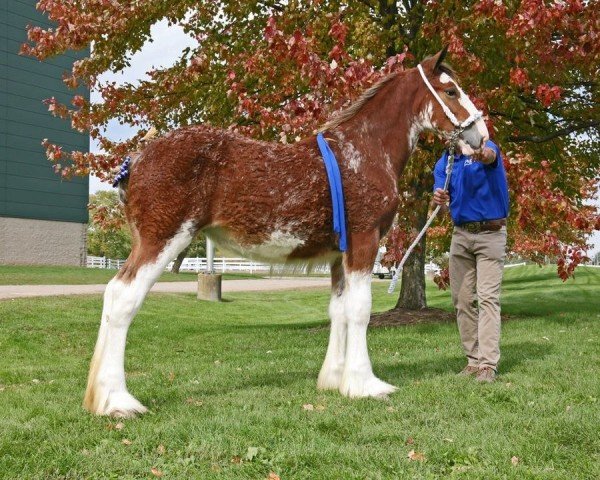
point(308, 406)
point(253, 452)
point(568, 408)
point(156, 472)
point(160, 449)
point(416, 456)
point(390, 409)
point(171, 377)
point(237, 460)
point(320, 408)
point(514, 461)
point(409, 441)
point(126, 441)
point(115, 426)
point(273, 476)
point(215, 467)
point(193, 401)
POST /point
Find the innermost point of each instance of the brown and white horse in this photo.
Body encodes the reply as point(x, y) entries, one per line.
point(272, 202)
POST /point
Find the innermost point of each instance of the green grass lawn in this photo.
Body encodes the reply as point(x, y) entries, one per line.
point(59, 275)
point(226, 384)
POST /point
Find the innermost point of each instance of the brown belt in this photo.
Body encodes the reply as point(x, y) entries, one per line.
point(485, 226)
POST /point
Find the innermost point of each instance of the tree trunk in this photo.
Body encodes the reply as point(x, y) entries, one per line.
point(412, 290)
point(179, 260)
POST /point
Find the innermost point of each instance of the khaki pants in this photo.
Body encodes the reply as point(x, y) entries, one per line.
point(476, 267)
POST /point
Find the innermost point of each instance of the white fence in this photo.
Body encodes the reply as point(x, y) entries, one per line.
point(220, 265)
point(103, 262)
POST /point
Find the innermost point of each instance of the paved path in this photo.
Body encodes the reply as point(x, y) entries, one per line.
point(17, 291)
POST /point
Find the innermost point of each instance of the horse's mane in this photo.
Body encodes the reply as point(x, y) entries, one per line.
point(350, 111)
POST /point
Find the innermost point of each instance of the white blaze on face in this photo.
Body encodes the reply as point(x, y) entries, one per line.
point(467, 104)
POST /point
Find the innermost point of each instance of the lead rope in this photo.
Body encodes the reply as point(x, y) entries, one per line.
point(460, 127)
point(400, 266)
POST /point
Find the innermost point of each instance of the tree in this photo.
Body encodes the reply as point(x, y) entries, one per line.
point(107, 234)
point(276, 70)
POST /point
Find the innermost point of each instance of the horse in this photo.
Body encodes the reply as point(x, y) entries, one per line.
point(271, 202)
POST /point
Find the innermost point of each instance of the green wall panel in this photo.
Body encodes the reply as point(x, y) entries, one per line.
point(29, 188)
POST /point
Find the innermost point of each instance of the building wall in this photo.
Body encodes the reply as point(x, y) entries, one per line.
point(29, 188)
point(25, 241)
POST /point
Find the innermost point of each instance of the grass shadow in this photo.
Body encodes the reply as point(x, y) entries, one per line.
point(513, 355)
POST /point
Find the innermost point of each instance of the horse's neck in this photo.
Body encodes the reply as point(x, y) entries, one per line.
point(384, 132)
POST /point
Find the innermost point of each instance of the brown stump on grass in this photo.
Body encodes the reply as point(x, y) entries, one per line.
point(209, 287)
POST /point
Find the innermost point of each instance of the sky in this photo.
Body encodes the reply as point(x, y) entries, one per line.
point(166, 47)
point(168, 42)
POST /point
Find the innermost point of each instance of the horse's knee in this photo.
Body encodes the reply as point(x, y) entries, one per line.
point(357, 298)
point(122, 302)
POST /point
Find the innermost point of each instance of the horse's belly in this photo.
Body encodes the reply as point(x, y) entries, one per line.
point(276, 247)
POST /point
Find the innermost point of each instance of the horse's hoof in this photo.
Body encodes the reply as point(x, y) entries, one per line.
point(123, 405)
point(329, 379)
point(114, 403)
point(359, 387)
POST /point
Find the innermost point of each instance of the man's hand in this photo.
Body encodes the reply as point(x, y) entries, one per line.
point(486, 155)
point(441, 197)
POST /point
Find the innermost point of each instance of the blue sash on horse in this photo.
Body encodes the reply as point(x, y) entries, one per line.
point(337, 192)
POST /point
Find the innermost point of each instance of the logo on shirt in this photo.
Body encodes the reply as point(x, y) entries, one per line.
point(468, 162)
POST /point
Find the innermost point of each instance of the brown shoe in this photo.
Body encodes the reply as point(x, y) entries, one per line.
point(469, 370)
point(486, 374)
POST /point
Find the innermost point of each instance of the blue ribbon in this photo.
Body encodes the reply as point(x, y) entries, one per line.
point(337, 192)
point(123, 172)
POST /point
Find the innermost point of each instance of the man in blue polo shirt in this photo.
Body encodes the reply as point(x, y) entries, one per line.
point(478, 200)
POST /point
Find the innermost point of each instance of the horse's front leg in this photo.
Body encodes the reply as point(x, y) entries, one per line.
point(358, 379)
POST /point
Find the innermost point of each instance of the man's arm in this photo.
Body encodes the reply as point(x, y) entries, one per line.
point(440, 197)
point(488, 155)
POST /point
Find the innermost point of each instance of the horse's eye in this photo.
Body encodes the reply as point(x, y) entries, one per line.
point(450, 92)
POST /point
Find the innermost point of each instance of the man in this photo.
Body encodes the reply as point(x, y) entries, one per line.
point(478, 200)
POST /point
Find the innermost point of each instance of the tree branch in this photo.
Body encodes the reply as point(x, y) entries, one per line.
point(368, 4)
point(551, 136)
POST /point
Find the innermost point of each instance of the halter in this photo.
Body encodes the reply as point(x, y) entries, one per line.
point(459, 127)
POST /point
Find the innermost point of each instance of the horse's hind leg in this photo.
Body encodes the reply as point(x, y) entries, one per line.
point(106, 392)
point(330, 375)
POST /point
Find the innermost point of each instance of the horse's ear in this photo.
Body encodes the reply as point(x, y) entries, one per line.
point(432, 63)
point(440, 57)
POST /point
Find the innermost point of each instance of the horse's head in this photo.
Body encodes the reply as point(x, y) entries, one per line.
point(449, 110)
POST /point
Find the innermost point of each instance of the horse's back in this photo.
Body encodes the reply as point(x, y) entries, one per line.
point(257, 192)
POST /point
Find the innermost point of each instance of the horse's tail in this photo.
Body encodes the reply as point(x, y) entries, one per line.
point(121, 180)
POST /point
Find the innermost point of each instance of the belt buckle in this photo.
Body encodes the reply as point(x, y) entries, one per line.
point(472, 227)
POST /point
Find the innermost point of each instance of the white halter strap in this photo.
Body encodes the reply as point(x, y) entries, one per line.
point(472, 118)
